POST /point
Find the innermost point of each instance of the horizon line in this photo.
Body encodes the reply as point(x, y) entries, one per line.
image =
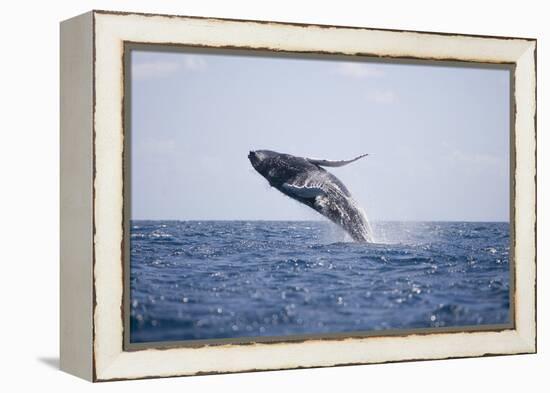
point(313, 220)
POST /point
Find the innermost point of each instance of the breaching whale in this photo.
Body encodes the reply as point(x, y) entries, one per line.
point(305, 180)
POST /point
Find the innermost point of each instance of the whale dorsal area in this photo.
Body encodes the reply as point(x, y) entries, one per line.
point(334, 163)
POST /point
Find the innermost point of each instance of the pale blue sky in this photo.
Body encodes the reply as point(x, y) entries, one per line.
point(438, 135)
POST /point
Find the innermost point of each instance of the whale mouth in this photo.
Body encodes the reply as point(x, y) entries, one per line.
point(253, 157)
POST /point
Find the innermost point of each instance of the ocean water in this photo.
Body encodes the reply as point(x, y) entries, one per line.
point(194, 280)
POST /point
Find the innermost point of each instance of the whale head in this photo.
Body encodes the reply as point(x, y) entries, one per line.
point(277, 168)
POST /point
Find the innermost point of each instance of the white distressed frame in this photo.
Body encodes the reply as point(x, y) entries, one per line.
point(111, 30)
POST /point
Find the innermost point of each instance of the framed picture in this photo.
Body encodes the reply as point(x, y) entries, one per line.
point(244, 195)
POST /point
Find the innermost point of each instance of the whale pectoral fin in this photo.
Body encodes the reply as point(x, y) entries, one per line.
point(334, 163)
point(303, 191)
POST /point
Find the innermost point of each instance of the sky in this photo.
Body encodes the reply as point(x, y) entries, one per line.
point(438, 136)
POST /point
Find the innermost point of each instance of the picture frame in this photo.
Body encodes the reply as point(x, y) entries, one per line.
point(94, 300)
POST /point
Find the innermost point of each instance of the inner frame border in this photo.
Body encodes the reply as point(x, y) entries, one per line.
point(129, 46)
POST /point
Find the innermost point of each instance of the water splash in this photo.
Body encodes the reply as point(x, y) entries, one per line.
point(363, 225)
point(368, 225)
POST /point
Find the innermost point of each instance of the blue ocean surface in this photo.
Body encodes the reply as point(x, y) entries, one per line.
point(194, 280)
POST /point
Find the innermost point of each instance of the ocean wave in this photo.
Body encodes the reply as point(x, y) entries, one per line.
point(236, 276)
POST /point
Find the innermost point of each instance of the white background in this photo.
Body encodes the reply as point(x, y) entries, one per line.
point(29, 232)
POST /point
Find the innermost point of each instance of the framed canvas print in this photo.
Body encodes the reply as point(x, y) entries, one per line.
point(244, 195)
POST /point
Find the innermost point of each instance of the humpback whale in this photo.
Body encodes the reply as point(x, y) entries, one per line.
point(305, 180)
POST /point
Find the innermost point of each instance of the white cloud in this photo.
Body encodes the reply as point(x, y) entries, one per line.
point(154, 69)
point(359, 70)
point(194, 63)
point(486, 160)
point(382, 96)
point(498, 165)
point(154, 146)
point(368, 71)
point(162, 68)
